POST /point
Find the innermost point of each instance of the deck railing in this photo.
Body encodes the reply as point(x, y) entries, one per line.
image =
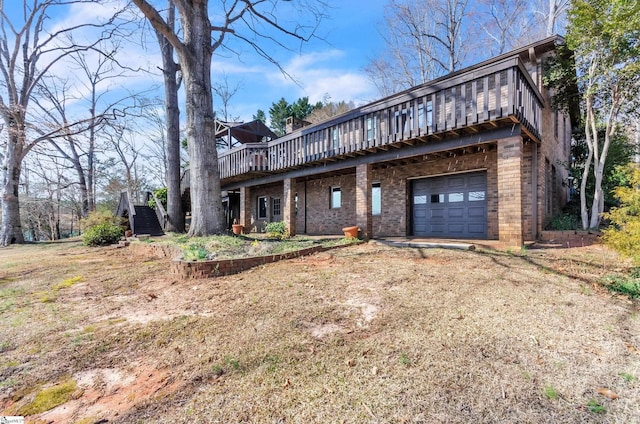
point(500, 90)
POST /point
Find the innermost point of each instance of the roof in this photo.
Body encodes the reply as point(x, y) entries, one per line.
point(245, 132)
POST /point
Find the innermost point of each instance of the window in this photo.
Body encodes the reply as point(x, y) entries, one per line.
point(275, 206)
point(456, 197)
point(420, 199)
point(437, 198)
point(336, 197)
point(376, 199)
point(476, 196)
point(262, 207)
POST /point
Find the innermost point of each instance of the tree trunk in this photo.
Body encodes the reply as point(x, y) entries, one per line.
point(11, 230)
point(172, 113)
point(584, 212)
point(206, 200)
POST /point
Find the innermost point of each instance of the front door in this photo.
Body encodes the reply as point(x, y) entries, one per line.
point(276, 210)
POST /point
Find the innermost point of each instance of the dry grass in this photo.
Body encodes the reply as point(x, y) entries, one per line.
point(365, 333)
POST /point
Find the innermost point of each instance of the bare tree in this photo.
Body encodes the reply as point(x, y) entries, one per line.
point(123, 143)
point(424, 39)
point(507, 23)
point(28, 51)
point(225, 92)
point(252, 22)
point(329, 109)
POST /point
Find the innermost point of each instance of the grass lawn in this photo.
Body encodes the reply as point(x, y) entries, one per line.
point(365, 333)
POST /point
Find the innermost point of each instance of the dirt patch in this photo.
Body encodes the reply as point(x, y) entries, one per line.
point(108, 392)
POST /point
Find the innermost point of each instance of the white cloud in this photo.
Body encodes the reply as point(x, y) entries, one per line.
point(326, 73)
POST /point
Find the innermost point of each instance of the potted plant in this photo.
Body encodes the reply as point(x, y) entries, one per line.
point(351, 232)
point(237, 228)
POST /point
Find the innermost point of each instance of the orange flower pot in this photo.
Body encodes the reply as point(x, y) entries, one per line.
point(237, 228)
point(351, 232)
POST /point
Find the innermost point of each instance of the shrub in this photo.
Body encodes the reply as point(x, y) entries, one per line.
point(161, 194)
point(194, 252)
point(564, 221)
point(623, 234)
point(277, 230)
point(100, 217)
point(102, 234)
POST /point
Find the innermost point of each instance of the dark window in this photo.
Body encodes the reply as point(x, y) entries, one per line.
point(262, 207)
point(275, 204)
point(437, 198)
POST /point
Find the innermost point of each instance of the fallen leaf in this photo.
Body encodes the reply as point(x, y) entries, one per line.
point(607, 393)
point(351, 362)
point(286, 384)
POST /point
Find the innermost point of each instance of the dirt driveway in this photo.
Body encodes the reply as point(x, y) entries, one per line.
point(366, 333)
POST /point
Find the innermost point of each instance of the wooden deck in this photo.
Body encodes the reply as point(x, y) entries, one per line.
point(466, 102)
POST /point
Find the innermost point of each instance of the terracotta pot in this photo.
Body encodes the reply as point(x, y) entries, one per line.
point(237, 228)
point(128, 233)
point(351, 232)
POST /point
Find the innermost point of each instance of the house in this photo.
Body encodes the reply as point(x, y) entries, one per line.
point(476, 154)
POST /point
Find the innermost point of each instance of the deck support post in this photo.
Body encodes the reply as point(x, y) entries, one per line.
point(289, 208)
point(245, 208)
point(363, 200)
point(510, 199)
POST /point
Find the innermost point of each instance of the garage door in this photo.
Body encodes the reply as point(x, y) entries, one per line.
point(453, 206)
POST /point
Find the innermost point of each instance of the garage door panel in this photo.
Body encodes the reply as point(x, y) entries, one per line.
point(455, 229)
point(456, 212)
point(477, 228)
point(450, 206)
point(477, 212)
point(436, 213)
point(476, 181)
point(455, 182)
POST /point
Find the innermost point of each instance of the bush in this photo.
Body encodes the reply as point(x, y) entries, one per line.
point(194, 252)
point(564, 221)
point(161, 194)
point(277, 230)
point(623, 234)
point(102, 234)
point(100, 217)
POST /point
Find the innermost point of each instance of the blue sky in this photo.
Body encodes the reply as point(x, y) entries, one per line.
point(333, 66)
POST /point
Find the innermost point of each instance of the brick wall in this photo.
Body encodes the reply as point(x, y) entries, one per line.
point(510, 193)
point(395, 184)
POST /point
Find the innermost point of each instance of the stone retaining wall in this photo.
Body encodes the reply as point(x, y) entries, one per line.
point(216, 268)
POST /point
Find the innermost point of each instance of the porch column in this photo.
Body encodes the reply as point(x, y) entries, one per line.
point(289, 207)
point(245, 208)
point(510, 225)
point(363, 200)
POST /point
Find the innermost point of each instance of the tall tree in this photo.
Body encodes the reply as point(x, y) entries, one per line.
point(506, 23)
point(281, 110)
point(604, 36)
point(172, 80)
point(252, 22)
point(423, 39)
point(28, 51)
